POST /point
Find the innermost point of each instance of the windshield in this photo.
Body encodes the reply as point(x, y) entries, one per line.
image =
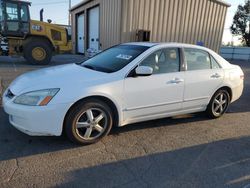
point(115, 58)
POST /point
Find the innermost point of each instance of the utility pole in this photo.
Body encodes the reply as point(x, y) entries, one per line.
point(69, 23)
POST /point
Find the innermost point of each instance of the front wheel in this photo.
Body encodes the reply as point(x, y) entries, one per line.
point(88, 122)
point(218, 104)
point(38, 52)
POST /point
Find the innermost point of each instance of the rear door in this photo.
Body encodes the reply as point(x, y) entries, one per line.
point(202, 78)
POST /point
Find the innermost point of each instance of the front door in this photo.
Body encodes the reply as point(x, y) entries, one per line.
point(93, 32)
point(80, 34)
point(156, 95)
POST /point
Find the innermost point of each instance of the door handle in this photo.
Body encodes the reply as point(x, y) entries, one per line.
point(176, 81)
point(216, 75)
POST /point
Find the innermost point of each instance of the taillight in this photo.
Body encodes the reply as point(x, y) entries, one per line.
point(242, 77)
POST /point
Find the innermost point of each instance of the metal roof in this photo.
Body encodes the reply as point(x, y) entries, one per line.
point(86, 1)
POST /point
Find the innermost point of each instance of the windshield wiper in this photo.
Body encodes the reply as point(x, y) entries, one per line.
point(89, 67)
point(100, 69)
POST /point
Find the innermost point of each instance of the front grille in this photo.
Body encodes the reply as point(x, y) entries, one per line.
point(9, 94)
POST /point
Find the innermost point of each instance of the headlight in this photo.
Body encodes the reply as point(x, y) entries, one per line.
point(36, 98)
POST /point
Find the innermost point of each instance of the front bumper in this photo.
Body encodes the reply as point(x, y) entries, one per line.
point(36, 120)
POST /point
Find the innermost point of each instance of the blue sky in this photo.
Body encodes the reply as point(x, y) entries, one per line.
point(57, 11)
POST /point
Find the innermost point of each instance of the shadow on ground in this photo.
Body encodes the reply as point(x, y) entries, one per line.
point(26, 145)
point(219, 164)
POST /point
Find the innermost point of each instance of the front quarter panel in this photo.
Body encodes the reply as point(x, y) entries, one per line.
point(112, 90)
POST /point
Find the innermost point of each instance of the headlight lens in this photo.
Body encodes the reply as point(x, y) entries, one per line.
point(36, 98)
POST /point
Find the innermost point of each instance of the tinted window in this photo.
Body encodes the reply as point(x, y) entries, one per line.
point(114, 59)
point(215, 65)
point(11, 11)
point(197, 59)
point(24, 13)
point(163, 61)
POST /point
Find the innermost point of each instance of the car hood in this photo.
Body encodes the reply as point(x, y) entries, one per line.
point(54, 77)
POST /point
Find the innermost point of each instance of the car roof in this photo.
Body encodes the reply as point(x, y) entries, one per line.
point(147, 44)
point(166, 44)
point(222, 61)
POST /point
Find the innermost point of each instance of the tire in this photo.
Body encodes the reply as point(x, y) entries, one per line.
point(218, 104)
point(38, 51)
point(81, 129)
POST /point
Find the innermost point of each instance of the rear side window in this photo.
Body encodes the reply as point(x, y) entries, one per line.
point(215, 65)
point(197, 59)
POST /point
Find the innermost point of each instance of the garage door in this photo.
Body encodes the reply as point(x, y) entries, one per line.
point(93, 23)
point(80, 33)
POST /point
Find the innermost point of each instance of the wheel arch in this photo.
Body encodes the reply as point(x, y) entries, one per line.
point(30, 38)
point(228, 89)
point(105, 99)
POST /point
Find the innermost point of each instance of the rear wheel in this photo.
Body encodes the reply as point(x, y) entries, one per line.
point(38, 52)
point(88, 122)
point(218, 104)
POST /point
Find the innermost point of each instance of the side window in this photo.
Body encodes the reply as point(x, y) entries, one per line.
point(12, 17)
point(215, 65)
point(11, 11)
point(24, 13)
point(163, 61)
point(197, 59)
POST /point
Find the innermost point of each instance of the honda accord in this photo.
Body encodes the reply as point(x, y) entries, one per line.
point(125, 84)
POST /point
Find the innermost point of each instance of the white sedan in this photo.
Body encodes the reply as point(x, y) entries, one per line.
point(125, 84)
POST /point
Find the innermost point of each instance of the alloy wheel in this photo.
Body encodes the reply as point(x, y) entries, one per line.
point(91, 124)
point(220, 103)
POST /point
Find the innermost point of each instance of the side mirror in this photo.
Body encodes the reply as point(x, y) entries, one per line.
point(143, 71)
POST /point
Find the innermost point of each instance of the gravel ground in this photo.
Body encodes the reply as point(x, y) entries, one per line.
point(185, 151)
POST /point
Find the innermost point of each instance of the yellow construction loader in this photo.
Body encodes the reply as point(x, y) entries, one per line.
point(36, 41)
